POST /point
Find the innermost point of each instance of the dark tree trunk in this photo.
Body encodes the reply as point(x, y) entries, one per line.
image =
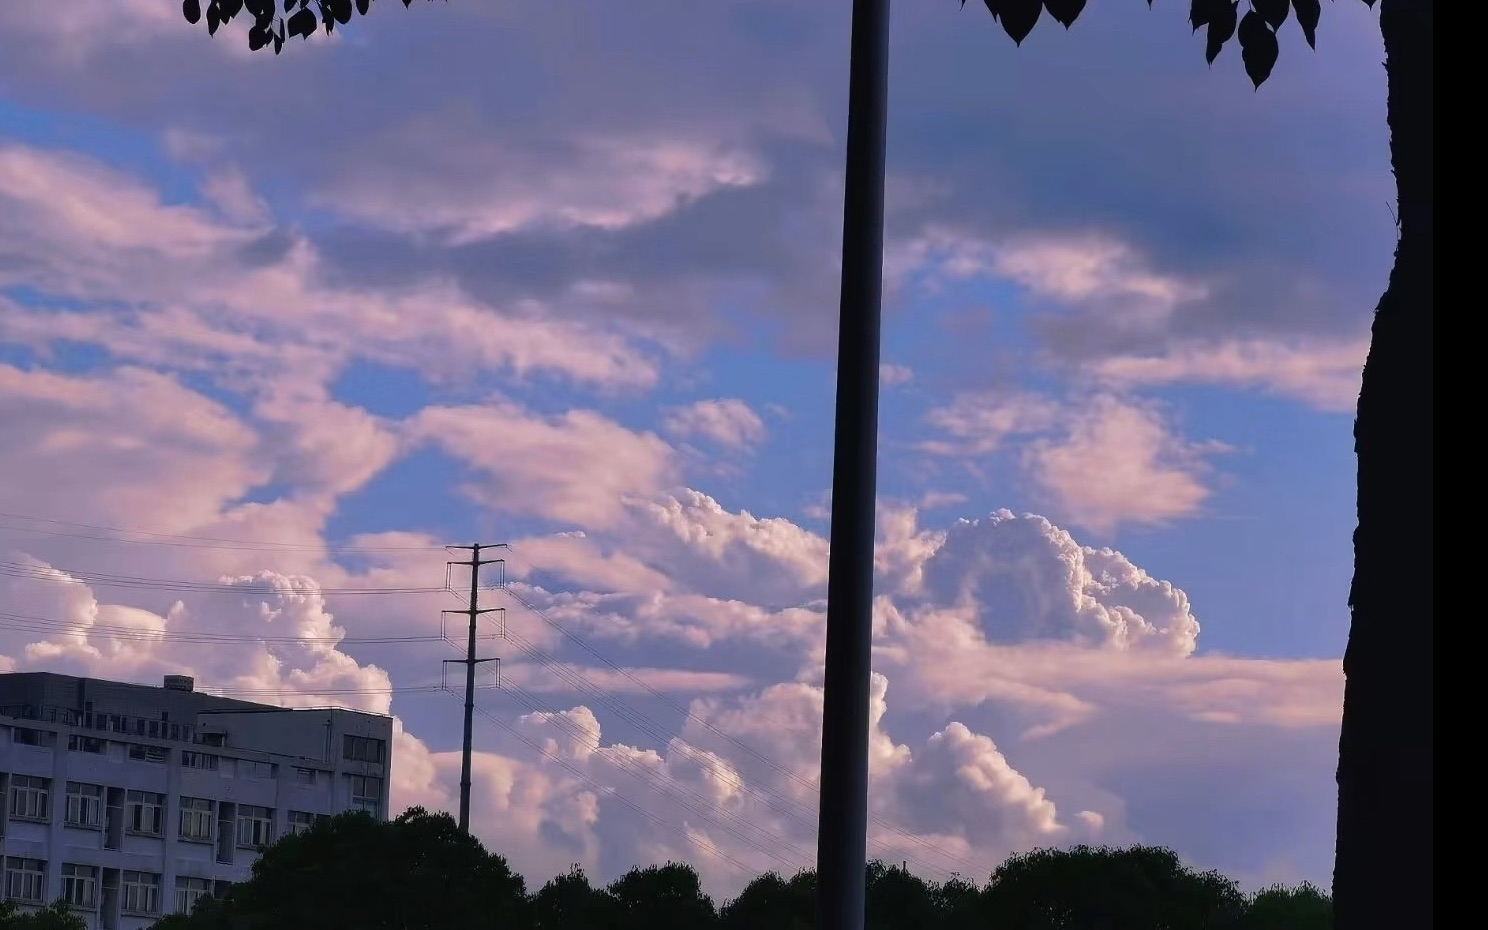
point(1383, 873)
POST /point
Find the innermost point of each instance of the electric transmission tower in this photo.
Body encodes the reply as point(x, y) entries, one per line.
point(473, 612)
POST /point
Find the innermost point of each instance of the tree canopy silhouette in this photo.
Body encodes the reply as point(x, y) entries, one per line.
point(1137, 888)
point(56, 916)
point(1386, 750)
point(1132, 888)
point(354, 872)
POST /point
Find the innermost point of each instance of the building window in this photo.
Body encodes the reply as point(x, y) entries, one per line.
point(196, 819)
point(78, 884)
point(252, 768)
point(147, 753)
point(141, 893)
point(199, 760)
point(79, 743)
point(255, 826)
point(304, 776)
point(366, 794)
point(189, 891)
point(25, 879)
point(84, 805)
point(300, 822)
point(29, 796)
point(26, 736)
point(363, 748)
point(146, 812)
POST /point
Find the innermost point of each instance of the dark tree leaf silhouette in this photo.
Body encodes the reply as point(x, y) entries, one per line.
point(1386, 754)
point(1221, 22)
point(1273, 12)
point(1308, 14)
point(1018, 17)
point(1065, 12)
point(1199, 12)
point(270, 29)
point(1258, 47)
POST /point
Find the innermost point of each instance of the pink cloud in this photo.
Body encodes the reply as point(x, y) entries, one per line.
point(1100, 460)
point(1325, 374)
point(578, 468)
point(729, 422)
point(443, 173)
point(1118, 462)
point(194, 299)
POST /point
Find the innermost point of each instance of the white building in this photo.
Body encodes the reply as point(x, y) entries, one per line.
point(131, 801)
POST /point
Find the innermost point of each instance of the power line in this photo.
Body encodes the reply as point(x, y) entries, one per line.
point(184, 540)
point(59, 575)
point(317, 692)
point(688, 714)
point(35, 624)
point(613, 795)
point(636, 719)
point(779, 805)
point(702, 808)
point(25, 622)
point(314, 692)
point(97, 531)
point(679, 794)
point(793, 810)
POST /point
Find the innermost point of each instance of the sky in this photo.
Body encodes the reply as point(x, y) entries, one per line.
point(563, 276)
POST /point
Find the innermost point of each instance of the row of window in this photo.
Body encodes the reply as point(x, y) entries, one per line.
point(353, 748)
point(139, 892)
point(108, 723)
point(144, 811)
point(156, 729)
point(191, 759)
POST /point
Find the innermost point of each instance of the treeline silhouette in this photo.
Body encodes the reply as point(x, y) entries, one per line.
point(420, 872)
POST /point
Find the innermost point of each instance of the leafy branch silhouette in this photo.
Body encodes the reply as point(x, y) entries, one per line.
point(270, 29)
point(1220, 19)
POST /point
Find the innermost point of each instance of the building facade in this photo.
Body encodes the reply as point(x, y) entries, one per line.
point(131, 801)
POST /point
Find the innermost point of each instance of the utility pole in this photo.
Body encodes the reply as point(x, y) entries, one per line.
point(842, 834)
point(473, 612)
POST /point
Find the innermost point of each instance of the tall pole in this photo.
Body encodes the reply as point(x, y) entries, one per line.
point(473, 612)
point(466, 744)
point(842, 833)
